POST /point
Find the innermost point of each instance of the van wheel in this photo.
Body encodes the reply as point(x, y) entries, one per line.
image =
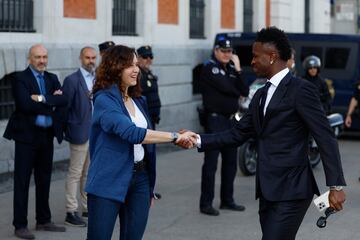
point(247, 156)
point(314, 156)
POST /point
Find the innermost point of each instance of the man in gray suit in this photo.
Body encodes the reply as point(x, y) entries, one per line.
point(77, 117)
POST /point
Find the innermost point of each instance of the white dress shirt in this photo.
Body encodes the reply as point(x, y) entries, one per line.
point(275, 81)
point(89, 78)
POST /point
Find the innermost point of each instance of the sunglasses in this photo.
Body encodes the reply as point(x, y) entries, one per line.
point(148, 56)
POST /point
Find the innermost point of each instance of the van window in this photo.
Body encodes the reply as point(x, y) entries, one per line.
point(245, 54)
point(336, 58)
point(307, 51)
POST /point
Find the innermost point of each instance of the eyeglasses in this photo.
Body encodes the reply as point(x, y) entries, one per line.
point(226, 50)
point(148, 56)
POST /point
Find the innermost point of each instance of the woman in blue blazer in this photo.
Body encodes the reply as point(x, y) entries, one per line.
point(121, 175)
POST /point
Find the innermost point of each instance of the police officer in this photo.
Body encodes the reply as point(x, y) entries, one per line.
point(312, 66)
point(149, 87)
point(354, 102)
point(105, 45)
point(149, 83)
point(221, 85)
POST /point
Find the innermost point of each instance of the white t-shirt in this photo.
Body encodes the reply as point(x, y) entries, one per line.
point(140, 121)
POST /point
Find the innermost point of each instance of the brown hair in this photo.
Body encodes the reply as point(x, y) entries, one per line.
point(112, 64)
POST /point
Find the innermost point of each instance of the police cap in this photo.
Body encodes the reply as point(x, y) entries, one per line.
point(223, 42)
point(145, 51)
point(105, 45)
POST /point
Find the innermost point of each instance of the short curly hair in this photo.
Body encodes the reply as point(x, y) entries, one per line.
point(278, 38)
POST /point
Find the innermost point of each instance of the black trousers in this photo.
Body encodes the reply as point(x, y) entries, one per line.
point(37, 157)
point(228, 166)
point(281, 220)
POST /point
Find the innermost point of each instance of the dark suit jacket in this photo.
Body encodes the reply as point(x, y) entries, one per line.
point(77, 114)
point(21, 126)
point(294, 112)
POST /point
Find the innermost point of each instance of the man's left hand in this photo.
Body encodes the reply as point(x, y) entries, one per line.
point(336, 199)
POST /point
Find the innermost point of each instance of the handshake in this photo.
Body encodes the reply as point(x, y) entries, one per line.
point(187, 139)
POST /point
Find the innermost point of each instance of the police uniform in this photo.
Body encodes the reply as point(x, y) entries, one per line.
point(149, 85)
point(356, 94)
point(105, 45)
point(323, 91)
point(221, 87)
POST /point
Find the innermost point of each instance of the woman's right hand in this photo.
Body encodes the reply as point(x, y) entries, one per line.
point(186, 139)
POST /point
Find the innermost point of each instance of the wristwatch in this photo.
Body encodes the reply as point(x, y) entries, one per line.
point(40, 98)
point(174, 136)
point(336, 188)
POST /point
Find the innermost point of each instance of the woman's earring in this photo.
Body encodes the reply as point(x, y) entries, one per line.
point(271, 62)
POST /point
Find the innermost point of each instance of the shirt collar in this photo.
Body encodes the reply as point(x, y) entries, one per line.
point(85, 73)
point(35, 72)
point(276, 79)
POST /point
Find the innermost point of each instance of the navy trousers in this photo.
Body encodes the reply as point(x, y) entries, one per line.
point(228, 166)
point(281, 220)
point(133, 213)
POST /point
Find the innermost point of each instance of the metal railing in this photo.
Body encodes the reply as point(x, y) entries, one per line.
point(16, 16)
point(197, 18)
point(124, 17)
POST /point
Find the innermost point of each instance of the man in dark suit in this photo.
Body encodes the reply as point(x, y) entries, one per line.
point(77, 88)
point(33, 126)
point(281, 117)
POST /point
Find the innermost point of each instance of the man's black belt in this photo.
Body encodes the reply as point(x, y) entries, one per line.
point(140, 166)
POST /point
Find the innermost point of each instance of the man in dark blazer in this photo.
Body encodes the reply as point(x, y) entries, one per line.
point(281, 117)
point(33, 126)
point(77, 115)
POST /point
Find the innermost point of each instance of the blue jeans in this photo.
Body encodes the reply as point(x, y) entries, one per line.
point(133, 213)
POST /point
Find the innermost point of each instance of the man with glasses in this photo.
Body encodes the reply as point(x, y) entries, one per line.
point(221, 85)
point(149, 86)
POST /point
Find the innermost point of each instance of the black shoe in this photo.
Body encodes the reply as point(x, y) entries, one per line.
point(73, 219)
point(157, 196)
point(50, 227)
point(85, 214)
point(24, 233)
point(233, 207)
point(209, 210)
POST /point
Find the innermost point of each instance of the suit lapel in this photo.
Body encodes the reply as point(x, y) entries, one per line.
point(33, 80)
point(83, 83)
point(47, 82)
point(256, 101)
point(276, 98)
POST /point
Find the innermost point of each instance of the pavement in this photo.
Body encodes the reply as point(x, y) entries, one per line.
point(176, 216)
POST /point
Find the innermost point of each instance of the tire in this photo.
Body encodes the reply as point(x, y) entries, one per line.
point(313, 153)
point(247, 156)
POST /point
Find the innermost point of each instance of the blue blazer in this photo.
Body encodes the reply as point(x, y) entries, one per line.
point(284, 172)
point(112, 140)
point(77, 114)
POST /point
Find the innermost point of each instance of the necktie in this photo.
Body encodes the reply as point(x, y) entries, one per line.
point(263, 100)
point(42, 84)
